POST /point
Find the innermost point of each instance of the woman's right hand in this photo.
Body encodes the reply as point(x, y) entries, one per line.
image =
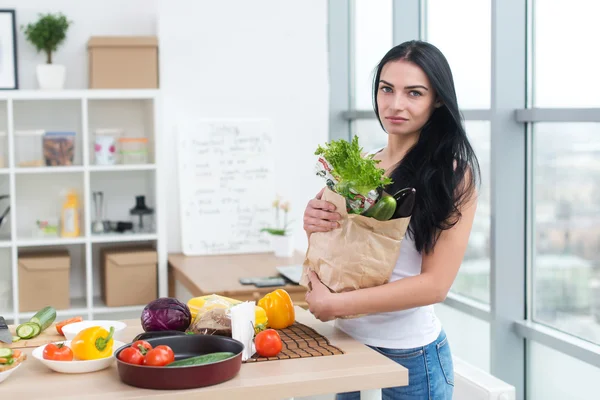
point(320, 215)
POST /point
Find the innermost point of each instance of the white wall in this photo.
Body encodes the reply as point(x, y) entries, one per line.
point(239, 58)
point(230, 58)
point(106, 17)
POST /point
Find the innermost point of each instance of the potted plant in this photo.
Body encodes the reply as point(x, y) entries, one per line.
point(281, 240)
point(47, 34)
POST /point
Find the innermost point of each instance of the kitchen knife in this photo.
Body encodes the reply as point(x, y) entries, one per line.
point(5, 335)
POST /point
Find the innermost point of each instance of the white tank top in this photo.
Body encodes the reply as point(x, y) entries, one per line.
point(404, 329)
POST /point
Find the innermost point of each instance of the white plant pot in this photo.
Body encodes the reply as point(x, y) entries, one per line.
point(51, 76)
point(283, 246)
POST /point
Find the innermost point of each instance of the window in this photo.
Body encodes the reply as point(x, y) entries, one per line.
point(562, 55)
point(372, 40)
point(566, 202)
point(473, 279)
point(552, 375)
point(461, 29)
point(469, 336)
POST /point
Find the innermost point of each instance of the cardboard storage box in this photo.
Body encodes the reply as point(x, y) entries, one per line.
point(44, 280)
point(123, 62)
point(129, 276)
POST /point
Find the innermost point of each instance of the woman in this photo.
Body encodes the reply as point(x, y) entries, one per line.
point(415, 102)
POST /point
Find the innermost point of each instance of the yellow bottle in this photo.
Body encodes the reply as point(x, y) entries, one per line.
point(70, 226)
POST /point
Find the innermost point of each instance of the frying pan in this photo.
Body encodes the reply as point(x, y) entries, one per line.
point(195, 376)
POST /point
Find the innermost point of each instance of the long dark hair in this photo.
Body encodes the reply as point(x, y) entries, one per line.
point(442, 165)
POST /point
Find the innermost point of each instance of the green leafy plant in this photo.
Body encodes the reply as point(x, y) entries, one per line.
point(351, 169)
point(285, 208)
point(48, 33)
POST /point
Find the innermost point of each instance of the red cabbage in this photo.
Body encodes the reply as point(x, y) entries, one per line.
point(166, 313)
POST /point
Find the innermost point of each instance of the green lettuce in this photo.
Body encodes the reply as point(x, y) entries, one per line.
point(351, 169)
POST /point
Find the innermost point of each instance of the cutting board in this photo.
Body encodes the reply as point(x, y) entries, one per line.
point(300, 341)
point(49, 335)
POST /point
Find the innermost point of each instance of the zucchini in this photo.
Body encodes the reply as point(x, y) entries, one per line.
point(383, 209)
point(201, 360)
point(45, 317)
point(6, 353)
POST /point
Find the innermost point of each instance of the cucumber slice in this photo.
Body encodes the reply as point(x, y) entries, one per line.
point(16, 338)
point(6, 353)
point(37, 329)
point(25, 331)
point(28, 330)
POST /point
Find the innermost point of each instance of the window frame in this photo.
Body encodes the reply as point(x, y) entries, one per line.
point(511, 118)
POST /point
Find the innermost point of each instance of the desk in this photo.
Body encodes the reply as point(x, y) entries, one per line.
point(360, 368)
point(203, 275)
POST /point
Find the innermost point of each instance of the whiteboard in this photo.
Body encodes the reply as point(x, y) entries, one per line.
point(226, 185)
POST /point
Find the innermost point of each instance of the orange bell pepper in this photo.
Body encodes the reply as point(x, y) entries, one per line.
point(279, 308)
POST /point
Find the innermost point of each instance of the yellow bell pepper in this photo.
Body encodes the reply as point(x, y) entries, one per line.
point(212, 301)
point(93, 343)
point(279, 308)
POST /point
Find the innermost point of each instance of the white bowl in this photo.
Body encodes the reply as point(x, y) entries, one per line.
point(4, 375)
point(76, 366)
point(71, 330)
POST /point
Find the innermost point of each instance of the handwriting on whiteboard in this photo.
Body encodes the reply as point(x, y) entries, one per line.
point(226, 185)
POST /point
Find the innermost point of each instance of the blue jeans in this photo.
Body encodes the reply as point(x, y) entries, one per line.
point(430, 373)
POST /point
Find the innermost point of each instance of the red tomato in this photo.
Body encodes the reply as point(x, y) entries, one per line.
point(159, 357)
point(143, 346)
point(168, 350)
point(268, 343)
point(57, 352)
point(131, 355)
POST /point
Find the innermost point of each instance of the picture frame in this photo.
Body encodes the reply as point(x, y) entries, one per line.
point(9, 73)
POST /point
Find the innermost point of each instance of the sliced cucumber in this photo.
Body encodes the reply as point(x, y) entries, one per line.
point(37, 329)
point(16, 338)
point(6, 353)
point(28, 330)
point(25, 331)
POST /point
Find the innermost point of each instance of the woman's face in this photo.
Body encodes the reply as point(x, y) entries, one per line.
point(405, 98)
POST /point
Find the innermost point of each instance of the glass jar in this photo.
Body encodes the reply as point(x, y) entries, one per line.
point(133, 150)
point(29, 148)
point(59, 148)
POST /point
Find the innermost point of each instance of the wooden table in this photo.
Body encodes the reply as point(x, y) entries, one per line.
point(360, 368)
point(203, 275)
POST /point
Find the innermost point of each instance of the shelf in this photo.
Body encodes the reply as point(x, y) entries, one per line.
point(79, 94)
point(49, 170)
point(78, 308)
point(4, 171)
point(50, 241)
point(123, 167)
point(5, 243)
point(100, 307)
point(124, 237)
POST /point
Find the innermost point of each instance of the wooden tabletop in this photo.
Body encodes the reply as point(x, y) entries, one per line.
point(203, 275)
point(360, 368)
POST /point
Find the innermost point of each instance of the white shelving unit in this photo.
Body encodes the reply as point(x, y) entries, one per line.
point(35, 192)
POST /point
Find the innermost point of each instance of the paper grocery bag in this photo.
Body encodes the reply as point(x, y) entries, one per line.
point(361, 253)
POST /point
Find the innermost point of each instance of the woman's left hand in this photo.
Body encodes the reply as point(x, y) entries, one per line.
point(320, 299)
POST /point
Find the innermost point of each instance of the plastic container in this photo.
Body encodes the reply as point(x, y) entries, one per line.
point(133, 150)
point(70, 223)
point(59, 148)
point(30, 152)
point(105, 146)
